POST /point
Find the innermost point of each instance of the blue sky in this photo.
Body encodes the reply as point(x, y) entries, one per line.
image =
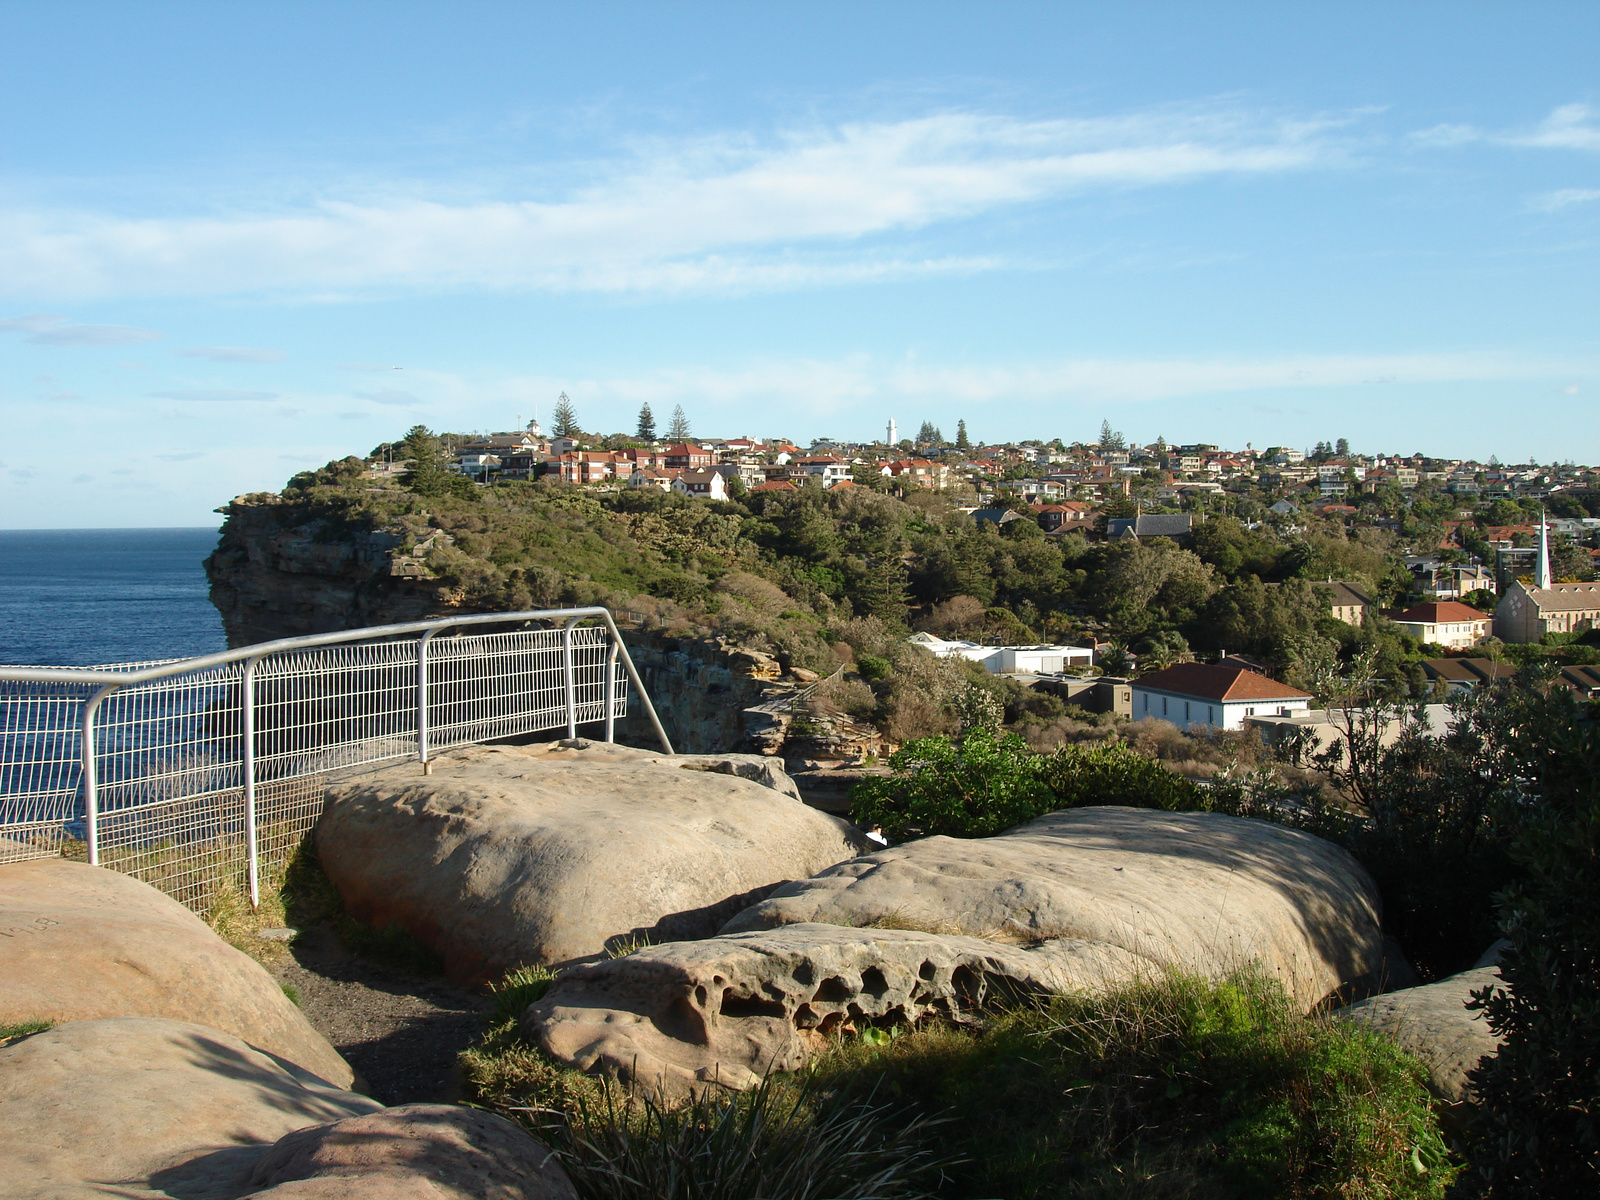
point(238, 240)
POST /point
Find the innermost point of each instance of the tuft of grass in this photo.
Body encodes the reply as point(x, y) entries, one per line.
point(292, 992)
point(518, 989)
point(799, 1141)
point(15, 1030)
point(625, 944)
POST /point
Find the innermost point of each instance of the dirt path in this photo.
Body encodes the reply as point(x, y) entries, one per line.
point(399, 1032)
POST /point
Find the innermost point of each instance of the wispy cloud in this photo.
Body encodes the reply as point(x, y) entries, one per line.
point(728, 212)
point(819, 388)
point(214, 396)
point(48, 329)
point(233, 354)
point(392, 397)
point(1554, 201)
point(1570, 127)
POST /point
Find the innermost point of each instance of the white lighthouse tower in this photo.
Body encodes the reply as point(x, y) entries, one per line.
point(894, 433)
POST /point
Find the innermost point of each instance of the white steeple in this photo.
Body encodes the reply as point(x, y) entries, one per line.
point(894, 433)
point(1541, 572)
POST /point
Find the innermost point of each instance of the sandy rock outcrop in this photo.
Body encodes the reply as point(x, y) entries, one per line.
point(81, 943)
point(1433, 1023)
point(730, 1009)
point(140, 1106)
point(425, 1151)
point(1199, 892)
point(505, 856)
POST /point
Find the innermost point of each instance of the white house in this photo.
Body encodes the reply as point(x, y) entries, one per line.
point(703, 484)
point(1006, 660)
point(1195, 694)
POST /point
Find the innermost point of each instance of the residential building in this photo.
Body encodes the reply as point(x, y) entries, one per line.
point(829, 470)
point(1177, 526)
point(1009, 660)
point(685, 456)
point(1464, 674)
point(1066, 517)
point(1346, 602)
point(1447, 623)
point(1217, 697)
point(701, 484)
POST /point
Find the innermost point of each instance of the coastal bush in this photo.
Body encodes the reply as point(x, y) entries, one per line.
point(1172, 1086)
point(1540, 1131)
point(984, 783)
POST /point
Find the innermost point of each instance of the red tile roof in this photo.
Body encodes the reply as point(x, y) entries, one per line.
point(1443, 612)
point(1211, 682)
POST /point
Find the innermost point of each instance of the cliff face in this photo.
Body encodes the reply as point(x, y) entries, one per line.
point(276, 574)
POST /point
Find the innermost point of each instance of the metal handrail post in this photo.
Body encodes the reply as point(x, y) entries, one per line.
point(247, 767)
point(422, 700)
point(638, 684)
point(611, 691)
point(91, 782)
point(571, 684)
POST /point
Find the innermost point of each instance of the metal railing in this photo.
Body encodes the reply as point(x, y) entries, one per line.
point(190, 773)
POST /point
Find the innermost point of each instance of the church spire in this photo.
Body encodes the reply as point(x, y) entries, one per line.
point(1541, 572)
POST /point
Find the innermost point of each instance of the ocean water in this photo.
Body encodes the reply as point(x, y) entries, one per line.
point(83, 597)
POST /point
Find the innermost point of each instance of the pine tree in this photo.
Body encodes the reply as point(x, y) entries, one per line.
point(564, 418)
point(1342, 447)
point(1110, 439)
point(961, 436)
point(927, 433)
point(678, 431)
point(647, 424)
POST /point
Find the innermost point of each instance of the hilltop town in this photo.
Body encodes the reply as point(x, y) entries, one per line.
point(1460, 540)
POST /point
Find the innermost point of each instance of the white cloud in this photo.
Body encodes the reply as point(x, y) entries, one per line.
point(715, 213)
point(214, 396)
point(236, 354)
point(807, 389)
point(1557, 200)
point(392, 397)
point(48, 329)
point(1570, 127)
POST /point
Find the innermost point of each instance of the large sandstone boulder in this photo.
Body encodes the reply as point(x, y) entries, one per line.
point(79, 943)
point(506, 855)
point(1433, 1023)
point(98, 1108)
point(727, 1010)
point(1198, 892)
point(420, 1151)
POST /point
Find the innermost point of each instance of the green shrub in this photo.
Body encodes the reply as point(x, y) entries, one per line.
point(11, 1031)
point(1165, 1088)
point(986, 783)
point(518, 989)
point(1540, 1132)
point(872, 668)
point(976, 787)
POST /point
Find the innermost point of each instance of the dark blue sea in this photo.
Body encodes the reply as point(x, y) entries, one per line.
point(84, 597)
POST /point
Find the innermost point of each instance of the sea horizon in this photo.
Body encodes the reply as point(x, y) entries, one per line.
point(107, 594)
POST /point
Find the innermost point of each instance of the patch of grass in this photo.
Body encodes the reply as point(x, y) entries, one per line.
point(292, 992)
point(1173, 1087)
point(15, 1030)
point(517, 990)
point(799, 1141)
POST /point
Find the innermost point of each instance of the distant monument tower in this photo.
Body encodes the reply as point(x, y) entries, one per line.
point(1541, 571)
point(533, 428)
point(894, 433)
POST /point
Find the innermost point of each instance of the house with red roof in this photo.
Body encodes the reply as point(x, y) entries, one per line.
point(1215, 696)
point(1447, 623)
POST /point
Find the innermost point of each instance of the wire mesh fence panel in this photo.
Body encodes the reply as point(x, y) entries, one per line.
point(40, 770)
point(183, 754)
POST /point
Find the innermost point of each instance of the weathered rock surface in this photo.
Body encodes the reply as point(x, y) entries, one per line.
point(1433, 1023)
point(729, 1009)
point(140, 1106)
point(425, 1151)
point(513, 855)
point(1199, 892)
point(80, 943)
